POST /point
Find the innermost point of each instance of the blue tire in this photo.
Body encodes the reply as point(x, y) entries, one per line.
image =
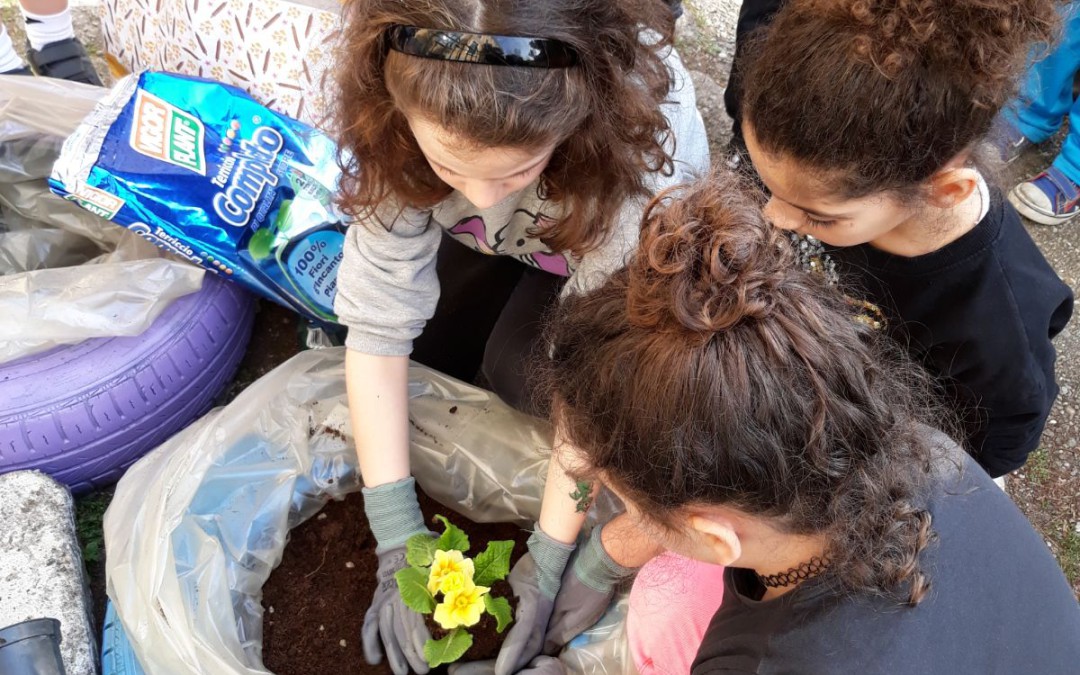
point(117, 657)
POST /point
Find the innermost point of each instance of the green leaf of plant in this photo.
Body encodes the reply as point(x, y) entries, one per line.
point(500, 609)
point(412, 585)
point(92, 552)
point(452, 539)
point(420, 550)
point(449, 649)
point(493, 564)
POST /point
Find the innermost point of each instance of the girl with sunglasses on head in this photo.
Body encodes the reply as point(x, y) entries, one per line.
point(497, 156)
point(747, 419)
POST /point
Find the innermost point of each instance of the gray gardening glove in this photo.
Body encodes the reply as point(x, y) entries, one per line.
point(541, 665)
point(535, 581)
point(588, 586)
point(394, 516)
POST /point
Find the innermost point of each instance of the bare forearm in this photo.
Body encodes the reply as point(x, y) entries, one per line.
point(379, 409)
point(566, 500)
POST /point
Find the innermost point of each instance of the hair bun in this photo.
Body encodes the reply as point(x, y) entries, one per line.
point(707, 259)
point(980, 42)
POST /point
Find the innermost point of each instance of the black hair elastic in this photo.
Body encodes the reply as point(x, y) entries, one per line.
point(489, 50)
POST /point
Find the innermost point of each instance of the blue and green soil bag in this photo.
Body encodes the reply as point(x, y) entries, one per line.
point(204, 171)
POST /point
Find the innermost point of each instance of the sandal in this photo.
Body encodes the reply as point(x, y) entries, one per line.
point(66, 59)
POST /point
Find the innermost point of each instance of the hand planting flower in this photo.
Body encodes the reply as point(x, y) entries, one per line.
point(437, 566)
point(461, 607)
point(449, 566)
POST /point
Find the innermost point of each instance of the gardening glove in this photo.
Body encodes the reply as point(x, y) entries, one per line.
point(588, 587)
point(394, 516)
point(541, 665)
point(535, 581)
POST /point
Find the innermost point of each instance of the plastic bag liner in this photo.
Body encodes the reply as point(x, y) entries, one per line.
point(196, 526)
point(66, 275)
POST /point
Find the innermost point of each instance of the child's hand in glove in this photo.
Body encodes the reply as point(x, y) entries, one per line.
point(541, 665)
point(394, 516)
point(588, 586)
point(535, 580)
point(391, 626)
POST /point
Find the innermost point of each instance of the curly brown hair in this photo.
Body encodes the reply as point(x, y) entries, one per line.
point(712, 370)
point(881, 94)
point(604, 113)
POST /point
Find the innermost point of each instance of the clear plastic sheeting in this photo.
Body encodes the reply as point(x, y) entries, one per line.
point(66, 275)
point(25, 247)
point(36, 115)
point(604, 648)
point(197, 525)
point(65, 305)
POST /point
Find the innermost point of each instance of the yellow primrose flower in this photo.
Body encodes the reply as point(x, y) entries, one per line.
point(446, 563)
point(462, 607)
point(453, 582)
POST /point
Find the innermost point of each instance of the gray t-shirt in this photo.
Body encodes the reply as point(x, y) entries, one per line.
point(387, 286)
point(998, 604)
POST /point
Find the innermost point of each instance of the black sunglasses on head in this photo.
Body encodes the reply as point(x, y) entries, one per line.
point(481, 48)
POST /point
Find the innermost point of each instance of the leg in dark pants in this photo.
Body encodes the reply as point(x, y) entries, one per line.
point(517, 337)
point(488, 321)
point(474, 287)
point(753, 14)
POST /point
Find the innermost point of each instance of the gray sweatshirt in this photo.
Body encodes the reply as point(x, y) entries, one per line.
point(387, 286)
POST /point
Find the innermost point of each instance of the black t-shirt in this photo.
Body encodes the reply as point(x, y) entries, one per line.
point(998, 603)
point(979, 314)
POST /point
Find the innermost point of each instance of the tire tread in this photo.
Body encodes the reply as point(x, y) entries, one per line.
point(87, 436)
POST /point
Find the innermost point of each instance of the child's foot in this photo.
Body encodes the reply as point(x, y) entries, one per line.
point(1009, 141)
point(1048, 199)
point(65, 60)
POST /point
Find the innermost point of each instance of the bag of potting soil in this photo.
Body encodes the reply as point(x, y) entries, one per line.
point(201, 169)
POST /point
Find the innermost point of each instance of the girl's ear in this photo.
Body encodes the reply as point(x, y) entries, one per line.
point(718, 537)
point(952, 186)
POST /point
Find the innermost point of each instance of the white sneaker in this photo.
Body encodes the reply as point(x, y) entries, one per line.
point(1050, 198)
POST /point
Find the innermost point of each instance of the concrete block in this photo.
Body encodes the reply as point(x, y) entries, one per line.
point(41, 568)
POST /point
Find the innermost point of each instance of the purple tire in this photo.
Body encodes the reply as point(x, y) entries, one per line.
point(84, 413)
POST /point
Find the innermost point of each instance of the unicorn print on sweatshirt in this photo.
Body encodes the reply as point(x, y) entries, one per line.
point(513, 240)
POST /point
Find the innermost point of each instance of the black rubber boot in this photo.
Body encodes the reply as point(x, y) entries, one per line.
point(64, 60)
point(18, 71)
point(31, 648)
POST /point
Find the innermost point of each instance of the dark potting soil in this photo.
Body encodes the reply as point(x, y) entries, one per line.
point(315, 600)
point(275, 338)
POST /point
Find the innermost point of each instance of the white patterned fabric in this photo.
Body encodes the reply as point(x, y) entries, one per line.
point(273, 49)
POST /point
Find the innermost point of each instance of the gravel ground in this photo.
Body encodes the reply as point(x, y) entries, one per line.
point(1048, 488)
